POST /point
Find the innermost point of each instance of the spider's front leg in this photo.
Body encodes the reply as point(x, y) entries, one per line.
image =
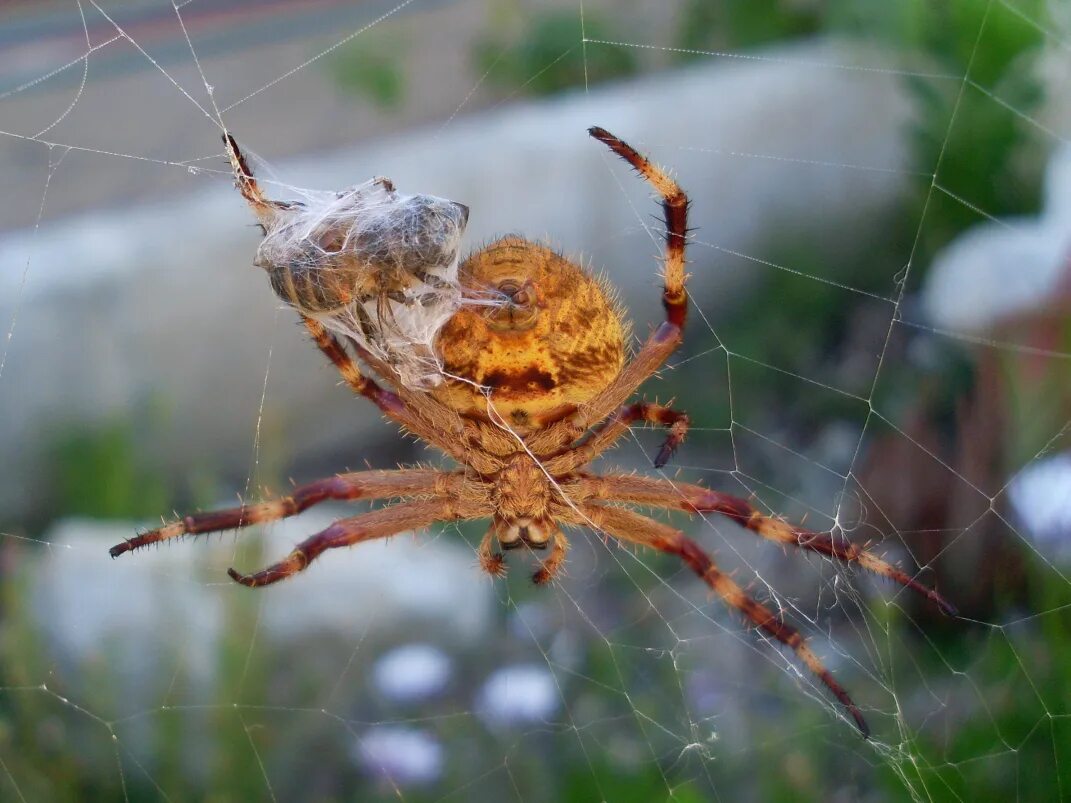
point(667, 495)
point(375, 524)
point(342, 487)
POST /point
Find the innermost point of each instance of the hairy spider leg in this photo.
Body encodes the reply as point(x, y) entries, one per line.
point(346, 532)
point(262, 206)
point(356, 485)
point(548, 570)
point(440, 427)
point(628, 526)
point(675, 211)
point(664, 340)
point(667, 495)
point(607, 433)
point(494, 563)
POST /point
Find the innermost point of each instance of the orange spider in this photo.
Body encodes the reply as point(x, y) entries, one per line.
point(534, 390)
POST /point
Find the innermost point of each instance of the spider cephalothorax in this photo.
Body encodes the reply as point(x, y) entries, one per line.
point(533, 385)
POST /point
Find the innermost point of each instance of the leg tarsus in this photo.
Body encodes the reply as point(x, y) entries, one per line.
point(494, 563)
point(607, 433)
point(548, 570)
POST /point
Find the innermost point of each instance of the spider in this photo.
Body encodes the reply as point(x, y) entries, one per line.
point(535, 389)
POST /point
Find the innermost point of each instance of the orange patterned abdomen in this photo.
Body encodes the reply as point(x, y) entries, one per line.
point(539, 361)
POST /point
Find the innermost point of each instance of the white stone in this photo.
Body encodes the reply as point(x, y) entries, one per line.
point(999, 270)
point(143, 609)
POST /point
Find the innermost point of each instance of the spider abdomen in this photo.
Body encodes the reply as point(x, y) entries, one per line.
point(556, 341)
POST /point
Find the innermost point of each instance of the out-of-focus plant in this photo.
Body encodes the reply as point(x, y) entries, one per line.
point(550, 57)
point(704, 26)
point(95, 472)
point(973, 64)
point(371, 69)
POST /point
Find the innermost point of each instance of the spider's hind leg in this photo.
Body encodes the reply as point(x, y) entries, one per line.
point(628, 526)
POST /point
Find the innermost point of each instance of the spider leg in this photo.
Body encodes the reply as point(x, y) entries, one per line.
point(667, 337)
point(614, 427)
point(675, 211)
point(356, 485)
point(418, 412)
point(389, 403)
point(548, 570)
point(629, 526)
point(443, 432)
point(346, 532)
point(263, 207)
point(697, 499)
point(490, 561)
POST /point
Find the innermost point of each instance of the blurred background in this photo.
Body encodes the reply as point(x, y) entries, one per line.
point(880, 342)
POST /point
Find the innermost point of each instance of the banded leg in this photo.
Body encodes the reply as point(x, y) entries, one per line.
point(667, 337)
point(389, 403)
point(697, 499)
point(365, 527)
point(613, 428)
point(356, 485)
point(629, 526)
point(417, 411)
point(263, 207)
point(675, 212)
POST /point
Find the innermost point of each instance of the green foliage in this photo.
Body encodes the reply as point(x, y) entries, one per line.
point(551, 57)
point(734, 24)
point(966, 132)
point(94, 471)
point(372, 70)
point(1016, 721)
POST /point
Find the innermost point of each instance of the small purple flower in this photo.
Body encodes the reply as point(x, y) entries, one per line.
point(517, 695)
point(412, 673)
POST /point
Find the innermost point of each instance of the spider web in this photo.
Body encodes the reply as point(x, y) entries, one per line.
point(821, 383)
